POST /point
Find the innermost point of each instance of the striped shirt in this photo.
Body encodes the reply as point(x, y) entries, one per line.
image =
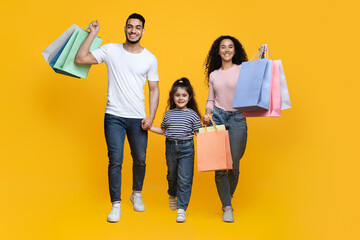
point(180, 124)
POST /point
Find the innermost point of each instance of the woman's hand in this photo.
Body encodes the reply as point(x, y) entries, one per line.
point(206, 119)
point(262, 50)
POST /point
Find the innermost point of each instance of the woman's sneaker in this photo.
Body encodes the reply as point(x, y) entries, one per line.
point(172, 203)
point(181, 216)
point(228, 214)
point(115, 213)
point(136, 199)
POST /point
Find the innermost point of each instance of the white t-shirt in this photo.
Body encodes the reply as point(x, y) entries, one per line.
point(127, 74)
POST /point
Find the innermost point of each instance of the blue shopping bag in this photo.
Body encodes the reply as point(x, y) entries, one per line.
point(253, 87)
point(53, 61)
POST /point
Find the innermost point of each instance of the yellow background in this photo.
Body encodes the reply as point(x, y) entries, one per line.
point(300, 173)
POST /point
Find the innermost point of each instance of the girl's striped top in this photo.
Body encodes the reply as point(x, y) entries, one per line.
point(180, 124)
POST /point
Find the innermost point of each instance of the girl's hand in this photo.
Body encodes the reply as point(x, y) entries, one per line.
point(157, 130)
point(206, 119)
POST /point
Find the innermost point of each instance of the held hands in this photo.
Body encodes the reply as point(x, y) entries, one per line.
point(95, 27)
point(146, 123)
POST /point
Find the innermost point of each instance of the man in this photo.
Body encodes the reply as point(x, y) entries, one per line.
point(129, 65)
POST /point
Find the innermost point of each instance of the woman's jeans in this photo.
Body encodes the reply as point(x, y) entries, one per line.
point(115, 130)
point(180, 163)
point(226, 180)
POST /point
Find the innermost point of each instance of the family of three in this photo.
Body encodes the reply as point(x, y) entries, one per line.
point(129, 66)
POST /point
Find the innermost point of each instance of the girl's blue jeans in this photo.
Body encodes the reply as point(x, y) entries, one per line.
point(180, 163)
point(227, 180)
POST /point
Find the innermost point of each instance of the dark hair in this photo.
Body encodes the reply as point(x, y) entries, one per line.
point(213, 59)
point(136, 16)
point(183, 83)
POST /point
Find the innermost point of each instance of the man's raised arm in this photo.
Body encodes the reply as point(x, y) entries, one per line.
point(84, 56)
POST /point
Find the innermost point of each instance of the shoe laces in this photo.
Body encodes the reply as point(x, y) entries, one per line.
point(181, 213)
point(115, 210)
point(137, 199)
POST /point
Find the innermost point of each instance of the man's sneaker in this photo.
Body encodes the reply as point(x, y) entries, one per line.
point(136, 199)
point(228, 214)
point(172, 203)
point(115, 213)
point(180, 216)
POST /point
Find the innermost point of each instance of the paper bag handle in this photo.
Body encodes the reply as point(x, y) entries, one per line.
point(88, 27)
point(212, 121)
point(265, 52)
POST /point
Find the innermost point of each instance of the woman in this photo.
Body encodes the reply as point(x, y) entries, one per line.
point(222, 68)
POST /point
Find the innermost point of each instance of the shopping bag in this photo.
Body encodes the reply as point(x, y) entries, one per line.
point(284, 92)
point(279, 94)
point(66, 60)
point(275, 99)
point(213, 149)
point(53, 61)
point(252, 91)
point(53, 49)
point(212, 129)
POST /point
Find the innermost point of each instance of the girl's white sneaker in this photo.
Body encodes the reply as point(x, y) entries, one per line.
point(181, 216)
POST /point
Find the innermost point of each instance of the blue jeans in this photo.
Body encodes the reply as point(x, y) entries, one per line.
point(180, 163)
point(115, 130)
point(227, 180)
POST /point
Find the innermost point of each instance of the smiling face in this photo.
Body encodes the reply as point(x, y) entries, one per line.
point(134, 30)
point(226, 50)
point(181, 98)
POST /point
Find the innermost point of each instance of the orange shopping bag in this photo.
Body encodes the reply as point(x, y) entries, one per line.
point(213, 149)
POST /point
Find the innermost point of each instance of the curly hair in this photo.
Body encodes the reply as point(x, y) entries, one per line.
point(213, 59)
point(183, 83)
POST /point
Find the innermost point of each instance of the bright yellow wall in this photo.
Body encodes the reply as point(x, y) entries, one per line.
point(299, 176)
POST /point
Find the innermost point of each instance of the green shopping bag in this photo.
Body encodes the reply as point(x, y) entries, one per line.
point(66, 60)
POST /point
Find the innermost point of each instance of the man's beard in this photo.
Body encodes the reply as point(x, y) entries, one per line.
point(133, 42)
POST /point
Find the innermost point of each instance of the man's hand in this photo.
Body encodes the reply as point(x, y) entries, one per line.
point(146, 123)
point(84, 56)
point(95, 27)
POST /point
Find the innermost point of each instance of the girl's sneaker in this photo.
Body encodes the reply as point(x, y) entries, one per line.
point(180, 216)
point(172, 203)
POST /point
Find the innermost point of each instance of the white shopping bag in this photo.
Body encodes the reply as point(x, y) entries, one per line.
point(284, 92)
point(50, 52)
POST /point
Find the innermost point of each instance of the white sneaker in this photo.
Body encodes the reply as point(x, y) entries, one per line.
point(136, 199)
point(180, 216)
point(172, 203)
point(228, 214)
point(115, 213)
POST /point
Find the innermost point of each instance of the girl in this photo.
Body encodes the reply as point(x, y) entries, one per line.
point(180, 123)
point(222, 68)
